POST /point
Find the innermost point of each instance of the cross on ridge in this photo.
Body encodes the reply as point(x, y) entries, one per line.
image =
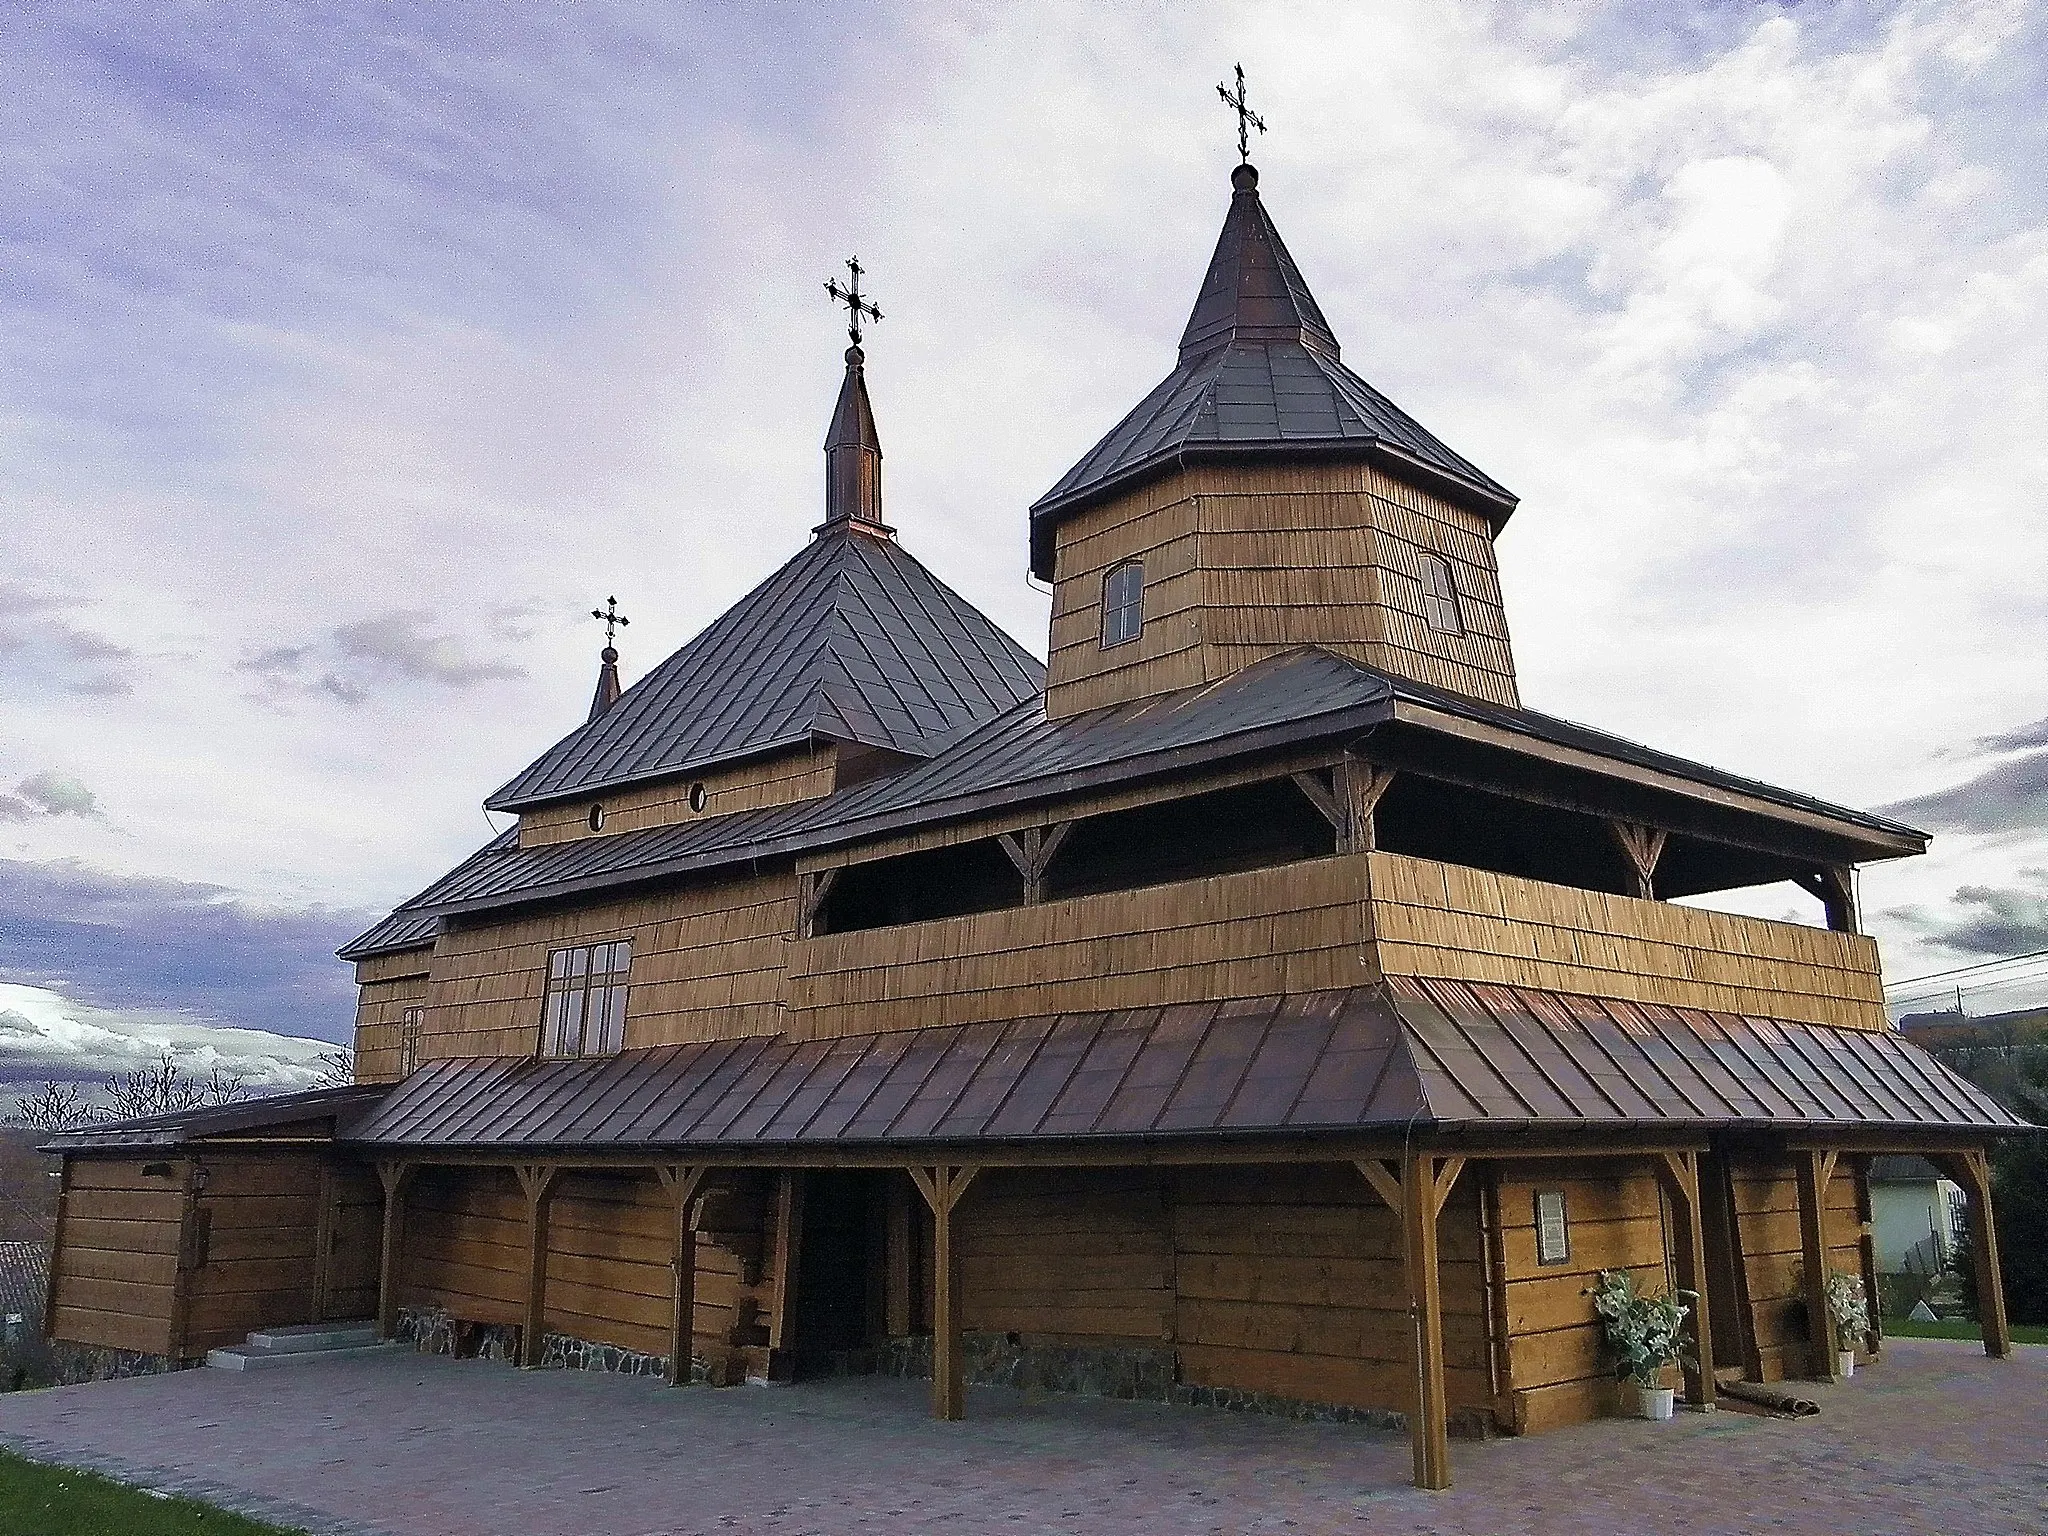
point(850, 296)
point(1247, 119)
point(613, 619)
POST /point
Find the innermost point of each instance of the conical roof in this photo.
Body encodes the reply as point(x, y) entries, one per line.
point(608, 690)
point(852, 640)
point(1260, 375)
point(853, 453)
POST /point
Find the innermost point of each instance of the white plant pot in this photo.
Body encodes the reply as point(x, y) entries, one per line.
point(1845, 1362)
point(1654, 1402)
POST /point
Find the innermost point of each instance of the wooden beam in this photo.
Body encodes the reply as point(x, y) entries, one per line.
point(394, 1176)
point(1447, 1176)
point(1835, 886)
point(943, 1188)
point(812, 889)
point(1679, 1173)
point(789, 1241)
point(1643, 846)
point(1500, 1355)
point(536, 1182)
point(56, 1248)
point(1318, 794)
point(1972, 1170)
point(1362, 784)
point(1428, 1420)
point(681, 1183)
point(1866, 1255)
point(1385, 1182)
point(190, 1259)
point(1031, 850)
point(323, 1245)
point(897, 1260)
point(1813, 1169)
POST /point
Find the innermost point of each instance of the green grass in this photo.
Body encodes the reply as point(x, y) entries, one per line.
point(1957, 1328)
point(36, 1500)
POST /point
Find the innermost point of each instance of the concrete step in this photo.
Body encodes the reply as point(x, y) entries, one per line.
point(303, 1337)
point(244, 1358)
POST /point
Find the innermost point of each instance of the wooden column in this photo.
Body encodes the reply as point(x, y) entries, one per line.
point(1866, 1254)
point(789, 1242)
point(1816, 1170)
point(1031, 850)
point(1347, 799)
point(1643, 846)
point(1417, 1196)
point(680, 1184)
point(1972, 1170)
point(1679, 1173)
point(1835, 885)
point(323, 1245)
point(537, 1181)
point(56, 1248)
point(942, 1188)
point(812, 889)
point(394, 1176)
point(898, 1257)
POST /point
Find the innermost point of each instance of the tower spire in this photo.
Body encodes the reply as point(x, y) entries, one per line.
point(853, 449)
point(608, 689)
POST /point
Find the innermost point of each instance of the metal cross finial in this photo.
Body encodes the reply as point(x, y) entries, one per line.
point(1247, 119)
point(850, 296)
point(613, 619)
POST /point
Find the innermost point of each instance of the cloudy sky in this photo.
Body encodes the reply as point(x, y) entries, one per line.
point(349, 354)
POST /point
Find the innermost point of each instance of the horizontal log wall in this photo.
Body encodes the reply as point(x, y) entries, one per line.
point(802, 774)
point(1069, 1256)
point(611, 1276)
point(465, 1245)
point(116, 1272)
point(260, 1215)
point(1557, 1370)
point(1773, 1253)
point(1435, 919)
point(1294, 928)
point(707, 965)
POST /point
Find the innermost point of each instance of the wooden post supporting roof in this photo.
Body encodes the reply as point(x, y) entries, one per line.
point(394, 1176)
point(1031, 849)
point(323, 1245)
point(1866, 1256)
point(789, 1242)
point(56, 1248)
point(1816, 1170)
point(1643, 846)
point(812, 890)
point(1417, 1195)
point(537, 1182)
point(1835, 885)
point(942, 1188)
point(897, 1260)
point(1679, 1173)
point(680, 1184)
point(1972, 1170)
point(1347, 800)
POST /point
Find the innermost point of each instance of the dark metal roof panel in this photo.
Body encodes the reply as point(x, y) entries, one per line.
point(246, 1115)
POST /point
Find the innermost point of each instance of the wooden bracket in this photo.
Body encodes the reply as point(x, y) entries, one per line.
point(812, 889)
point(1031, 850)
point(942, 1188)
point(1972, 1169)
point(1835, 886)
point(1644, 846)
point(1347, 799)
point(1385, 1180)
point(394, 1176)
point(1384, 1175)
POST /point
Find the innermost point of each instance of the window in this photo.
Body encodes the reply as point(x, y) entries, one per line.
point(596, 817)
point(1440, 596)
point(697, 797)
point(585, 1013)
point(411, 1026)
point(1553, 1238)
point(1123, 603)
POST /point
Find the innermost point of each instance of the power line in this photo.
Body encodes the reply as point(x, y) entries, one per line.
point(1965, 970)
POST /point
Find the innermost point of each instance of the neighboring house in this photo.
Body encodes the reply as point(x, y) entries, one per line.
point(1259, 1004)
point(1916, 1214)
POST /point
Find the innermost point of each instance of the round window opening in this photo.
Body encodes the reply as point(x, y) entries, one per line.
point(697, 797)
point(596, 817)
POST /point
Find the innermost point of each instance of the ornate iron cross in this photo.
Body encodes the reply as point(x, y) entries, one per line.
point(850, 296)
point(613, 619)
point(1247, 119)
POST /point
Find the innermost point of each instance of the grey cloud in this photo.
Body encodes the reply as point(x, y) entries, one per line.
point(2008, 797)
point(49, 793)
point(398, 646)
point(402, 643)
point(2035, 735)
point(40, 650)
point(1987, 919)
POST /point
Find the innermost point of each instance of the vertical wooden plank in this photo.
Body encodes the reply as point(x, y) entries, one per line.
point(949, 1371)
point(1812, 1169)
point(1428, 1423)
point(56, 1248)
point(1717, 1197)
point(789, 1237)
point(1500, 1357)
point(189, 1258)
point(1973, 1171)
point(1679, 1172)
point(323, 1244)
point(898, 1258)
point(538, 1183)
point(394, 1177)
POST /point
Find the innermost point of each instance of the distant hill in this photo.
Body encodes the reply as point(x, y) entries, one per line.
point(1953, 1029)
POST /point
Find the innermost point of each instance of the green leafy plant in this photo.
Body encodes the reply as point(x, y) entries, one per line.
point(1849, 1307)
point(1645, 1333)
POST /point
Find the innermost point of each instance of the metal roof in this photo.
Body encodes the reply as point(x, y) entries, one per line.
point(185, 1125)
point(851, 640)
point(1259, 371)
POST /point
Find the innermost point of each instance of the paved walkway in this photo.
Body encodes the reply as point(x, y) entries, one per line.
point(1937, 1439)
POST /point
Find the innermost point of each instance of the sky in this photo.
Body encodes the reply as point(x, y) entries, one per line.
point(350, 354)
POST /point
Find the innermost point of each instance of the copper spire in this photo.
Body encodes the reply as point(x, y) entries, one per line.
point(853, 449)
point(608, 659)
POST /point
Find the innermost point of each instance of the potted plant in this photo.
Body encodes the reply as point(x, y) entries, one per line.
point(1849, 1311)
point(1645, 1334)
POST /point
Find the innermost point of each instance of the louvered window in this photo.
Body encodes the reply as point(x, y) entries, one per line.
point(1440, 607)
point(1123, 603)
point(585, 1012)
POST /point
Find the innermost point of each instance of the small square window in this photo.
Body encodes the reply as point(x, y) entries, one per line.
point(1553, 1236)
point(1123, 603)
point(1441, 609)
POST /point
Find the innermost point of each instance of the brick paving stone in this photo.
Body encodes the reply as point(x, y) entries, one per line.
point(1935, 1439)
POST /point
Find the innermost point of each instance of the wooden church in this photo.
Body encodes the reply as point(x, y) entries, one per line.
point(1256, 1006)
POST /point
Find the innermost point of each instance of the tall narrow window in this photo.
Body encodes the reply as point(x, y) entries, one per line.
point(1553, 1236)
point(410, 1028)
point(1440, 605)
point(585, 1012)
point(1123, 603)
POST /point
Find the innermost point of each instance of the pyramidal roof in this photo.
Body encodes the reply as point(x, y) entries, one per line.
point(852, 641)
point(1260, 374)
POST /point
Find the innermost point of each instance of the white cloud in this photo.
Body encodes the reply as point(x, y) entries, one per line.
point(46, 1035)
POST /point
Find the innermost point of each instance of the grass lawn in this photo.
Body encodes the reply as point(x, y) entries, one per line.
point(36, 1500)
point(1957, 1328)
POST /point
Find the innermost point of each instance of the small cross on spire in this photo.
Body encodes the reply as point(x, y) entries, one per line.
point(850, 296)
point(613, 619)
point(1247, 119)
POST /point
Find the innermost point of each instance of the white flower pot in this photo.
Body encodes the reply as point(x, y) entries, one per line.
point(1654, 1402)
point(1845, 1362)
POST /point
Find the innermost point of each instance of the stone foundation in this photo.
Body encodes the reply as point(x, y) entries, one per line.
point(558, 1351)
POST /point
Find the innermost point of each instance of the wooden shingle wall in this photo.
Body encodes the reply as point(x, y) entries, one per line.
point(802, 774)
point(1244, 561)
point(1436, 919)
point(1767, 1214)
point(387, 985)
